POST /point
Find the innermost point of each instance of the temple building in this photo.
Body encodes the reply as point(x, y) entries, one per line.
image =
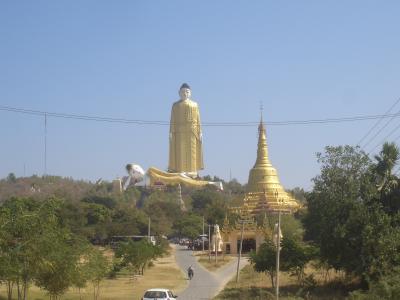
point(264, 196)
point(264, 191)
point(253, 234)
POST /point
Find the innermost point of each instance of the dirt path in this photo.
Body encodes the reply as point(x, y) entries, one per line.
point(205, 284)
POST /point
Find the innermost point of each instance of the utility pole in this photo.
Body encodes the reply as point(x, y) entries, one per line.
point(45, 144)
point(148, 230)
point(240, 253)
point(202, 237)
point(216, 247)
point(278, 249)
point(209, 242)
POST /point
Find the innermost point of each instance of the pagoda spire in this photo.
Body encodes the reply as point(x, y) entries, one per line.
point(263, 172)
point(262, 148)
point(264, 193)
point(264, 190)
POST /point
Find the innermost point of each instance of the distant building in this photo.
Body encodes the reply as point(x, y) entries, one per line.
point(117, 185)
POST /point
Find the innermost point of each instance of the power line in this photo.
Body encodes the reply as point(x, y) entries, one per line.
point(216, 124)
point(377, 123)
point(392, 116)
point(385, 138)
point(45, 144)
point(79, 117)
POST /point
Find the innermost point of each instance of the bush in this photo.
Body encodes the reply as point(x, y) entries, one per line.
point(388, 287)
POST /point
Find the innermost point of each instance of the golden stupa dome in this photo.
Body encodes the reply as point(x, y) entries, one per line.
point(264, 188)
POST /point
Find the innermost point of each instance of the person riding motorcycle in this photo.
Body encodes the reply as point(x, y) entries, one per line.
point(190, 272)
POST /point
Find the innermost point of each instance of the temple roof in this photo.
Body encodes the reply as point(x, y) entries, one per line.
point(264, 190)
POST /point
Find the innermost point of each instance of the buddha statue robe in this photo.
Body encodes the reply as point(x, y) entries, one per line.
point(185, 144)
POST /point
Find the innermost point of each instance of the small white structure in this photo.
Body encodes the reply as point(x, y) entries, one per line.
point(275, 237)
point(135, 175)
point(216, 240)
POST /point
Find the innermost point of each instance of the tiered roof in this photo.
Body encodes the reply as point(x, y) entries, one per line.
point(264, 191)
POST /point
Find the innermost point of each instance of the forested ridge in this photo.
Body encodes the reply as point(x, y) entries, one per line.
point(98, 211)
point(55, 232)
point(349, 222)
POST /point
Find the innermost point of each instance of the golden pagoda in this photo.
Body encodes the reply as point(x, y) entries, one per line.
point(264, 191)
point(245, 226)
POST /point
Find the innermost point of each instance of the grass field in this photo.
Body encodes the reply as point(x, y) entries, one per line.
point(210, 265)
point(165, 273)
point(253, 285)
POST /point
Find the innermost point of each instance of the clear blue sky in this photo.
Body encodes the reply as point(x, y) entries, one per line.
point(127, 59)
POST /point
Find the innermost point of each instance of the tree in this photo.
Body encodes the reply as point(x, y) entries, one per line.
point(299, 194)
point(265, 259)
point(387, 182)
point(127, 220)
point(386, 160)
point(295, 255)
point(108, 201)
point(35, 247)
point(205, 197)
point(162, 214)
point(137, 255)
point(21, 225)
point(95, 268)
point(98, 220)
point(211, 203)
point(190, 226)
point(337, 190)
point(388, 287)
point(8, 270)
point(234, 187)
point(215, 212)
point(57, 269)
point(345, 220)
point(11, 178)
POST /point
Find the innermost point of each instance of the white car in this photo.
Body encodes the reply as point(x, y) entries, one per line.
point(156, 294)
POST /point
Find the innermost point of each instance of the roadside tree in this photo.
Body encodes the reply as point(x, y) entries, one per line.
point(190, 226)
point(95, 267)
point(265, 260)
point(135, 256)
point(345, 217)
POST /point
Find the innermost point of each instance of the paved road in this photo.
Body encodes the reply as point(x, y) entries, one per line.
point(205, 284)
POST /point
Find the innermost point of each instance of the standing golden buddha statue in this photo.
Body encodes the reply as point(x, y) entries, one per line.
point(185, 138)
point(185, 146)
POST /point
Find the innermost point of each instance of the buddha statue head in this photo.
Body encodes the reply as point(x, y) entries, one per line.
point(185, 92)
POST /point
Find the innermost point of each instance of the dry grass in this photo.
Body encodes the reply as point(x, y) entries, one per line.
point(254, 285)
point(165, 273)
point(210, 265)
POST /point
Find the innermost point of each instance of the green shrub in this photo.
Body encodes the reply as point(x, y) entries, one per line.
point(388, 287)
